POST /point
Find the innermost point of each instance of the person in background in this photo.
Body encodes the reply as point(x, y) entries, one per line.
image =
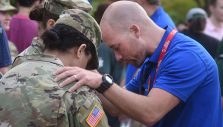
point(184, 89)
point(31, 98)
point(46, 15)
point(5, 57)
point(196, 21)
point(22, 28)
point(6, 10)
point(156, 12)
point(214, 26)
point(181, 26)
point(107, 62)
point(219, 61)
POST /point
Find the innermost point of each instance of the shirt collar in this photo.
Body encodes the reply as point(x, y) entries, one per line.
point(155, 56)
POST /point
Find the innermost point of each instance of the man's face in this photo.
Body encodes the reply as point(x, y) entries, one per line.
point(217, 10)
point(127, 49)
point(5, 18)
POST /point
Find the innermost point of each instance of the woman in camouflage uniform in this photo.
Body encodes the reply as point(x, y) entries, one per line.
point(30, 97)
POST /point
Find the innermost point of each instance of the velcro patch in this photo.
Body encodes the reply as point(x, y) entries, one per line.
point(95, 116)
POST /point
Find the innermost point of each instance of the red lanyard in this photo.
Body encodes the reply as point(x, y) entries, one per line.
point(163, 52)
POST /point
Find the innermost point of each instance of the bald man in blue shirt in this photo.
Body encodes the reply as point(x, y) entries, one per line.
point(160, 17)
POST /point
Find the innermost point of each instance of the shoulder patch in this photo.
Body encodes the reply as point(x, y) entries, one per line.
point(95, 116)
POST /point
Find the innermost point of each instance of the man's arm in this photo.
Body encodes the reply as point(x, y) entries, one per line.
point(108, 106)
point(146, 109)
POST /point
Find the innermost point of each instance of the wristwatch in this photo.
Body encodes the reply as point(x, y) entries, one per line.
point(107, 82)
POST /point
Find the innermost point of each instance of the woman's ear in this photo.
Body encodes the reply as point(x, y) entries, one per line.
point(50, 24)
point(81, 51)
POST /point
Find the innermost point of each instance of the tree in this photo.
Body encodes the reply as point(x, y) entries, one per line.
point(178, 9)
point(202, 4)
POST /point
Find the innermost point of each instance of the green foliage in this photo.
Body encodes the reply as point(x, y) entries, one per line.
point(95, 4)
point(178, 9)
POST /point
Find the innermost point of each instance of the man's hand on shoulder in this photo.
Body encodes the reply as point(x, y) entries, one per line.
point(81, 76)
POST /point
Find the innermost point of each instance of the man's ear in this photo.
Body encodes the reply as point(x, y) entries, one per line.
point(50, 23)
point(134, 29)
point(81, 51)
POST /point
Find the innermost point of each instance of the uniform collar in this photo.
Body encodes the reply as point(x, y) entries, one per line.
point(43, 58)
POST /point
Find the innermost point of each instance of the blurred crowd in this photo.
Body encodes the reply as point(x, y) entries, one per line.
point(17, 31)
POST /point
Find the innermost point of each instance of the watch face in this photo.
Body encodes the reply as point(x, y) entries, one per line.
point(108, 79)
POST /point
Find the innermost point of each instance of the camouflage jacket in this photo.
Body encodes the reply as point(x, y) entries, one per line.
point(36, 48)
point(29, 97)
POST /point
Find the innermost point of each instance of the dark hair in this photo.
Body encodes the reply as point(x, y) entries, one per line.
point(197, 24)
point(63, 37)
point(42, 15)
point(212, 2)
point(26, 3)
point(154, 2)
point(100, 11)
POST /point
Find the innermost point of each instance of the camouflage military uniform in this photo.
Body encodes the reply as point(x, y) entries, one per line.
point(35, 48)
point(30, 97)
point(55, 7)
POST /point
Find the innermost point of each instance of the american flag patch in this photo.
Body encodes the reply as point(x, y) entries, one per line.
point(95, 116)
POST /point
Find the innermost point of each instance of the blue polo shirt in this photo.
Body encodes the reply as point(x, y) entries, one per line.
point(162, 19)
point(5, 57)
point(189, 73)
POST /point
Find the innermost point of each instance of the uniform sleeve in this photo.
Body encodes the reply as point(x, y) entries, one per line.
point(84, 109)
point(5, 57)
point(181, 74)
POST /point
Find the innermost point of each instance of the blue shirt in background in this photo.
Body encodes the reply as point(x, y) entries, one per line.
point(189, 73)
point(162, 19)
point(5, 57)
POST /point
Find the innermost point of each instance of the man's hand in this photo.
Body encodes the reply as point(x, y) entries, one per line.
point(81, 76)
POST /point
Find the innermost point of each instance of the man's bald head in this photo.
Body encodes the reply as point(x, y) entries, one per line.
point(128, 30)
point(123, 13)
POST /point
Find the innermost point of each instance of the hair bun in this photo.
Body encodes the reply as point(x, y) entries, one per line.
point(51, 39)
